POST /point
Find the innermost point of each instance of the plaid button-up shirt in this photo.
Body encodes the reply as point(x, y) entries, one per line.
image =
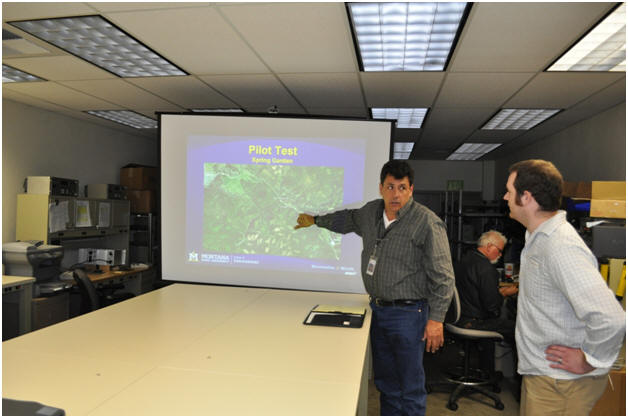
point(413, 256)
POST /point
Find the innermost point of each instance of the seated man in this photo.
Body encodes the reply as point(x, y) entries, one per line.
point(481, 298)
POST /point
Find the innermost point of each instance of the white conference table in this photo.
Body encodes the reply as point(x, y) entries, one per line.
point(196, 350)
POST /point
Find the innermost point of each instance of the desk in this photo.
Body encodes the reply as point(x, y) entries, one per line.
point(17, 291)
point(132, 279)
point(196, 350)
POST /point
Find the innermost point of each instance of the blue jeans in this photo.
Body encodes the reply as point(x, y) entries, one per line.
point(396, 341)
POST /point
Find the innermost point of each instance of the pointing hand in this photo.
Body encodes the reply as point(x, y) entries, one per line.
point(304, 220)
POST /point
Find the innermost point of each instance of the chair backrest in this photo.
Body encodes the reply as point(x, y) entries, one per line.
point(90, 299)
point(453, 313)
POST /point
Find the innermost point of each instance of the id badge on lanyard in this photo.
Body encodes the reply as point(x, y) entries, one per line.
point(370, 269)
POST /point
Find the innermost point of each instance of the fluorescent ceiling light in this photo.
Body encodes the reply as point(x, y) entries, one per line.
point(100, 42)
point(13, 75)
point(401, 155)
point(402, 150)
point(405, 36)
point(403, 146)
point(472, 151)
point(522, 119)
point(6, 35)
point(405, 117)
point(126, 117)
point(602, 49)
point(217, 110)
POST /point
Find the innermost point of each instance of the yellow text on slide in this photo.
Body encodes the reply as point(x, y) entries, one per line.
point(278, 150)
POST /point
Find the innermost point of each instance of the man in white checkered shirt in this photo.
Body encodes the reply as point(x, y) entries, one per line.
point(570, 327)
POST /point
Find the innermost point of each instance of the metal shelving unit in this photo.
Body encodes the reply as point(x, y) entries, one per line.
point(454, 216)
point(144, 233)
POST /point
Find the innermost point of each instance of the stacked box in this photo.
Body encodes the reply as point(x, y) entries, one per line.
point(608, 198)
point(142, 183)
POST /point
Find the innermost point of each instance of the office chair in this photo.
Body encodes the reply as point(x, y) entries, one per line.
point(92, 298)
point(466, 380)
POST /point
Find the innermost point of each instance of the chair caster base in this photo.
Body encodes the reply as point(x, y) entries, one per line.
point(454, 406)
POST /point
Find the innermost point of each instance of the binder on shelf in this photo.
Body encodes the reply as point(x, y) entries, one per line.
point(336, 316)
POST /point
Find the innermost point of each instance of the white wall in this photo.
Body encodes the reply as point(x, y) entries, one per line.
point(36, 142)
point(593, 149)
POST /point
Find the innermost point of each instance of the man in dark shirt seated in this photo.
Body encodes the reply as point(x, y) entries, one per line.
point(481, 298)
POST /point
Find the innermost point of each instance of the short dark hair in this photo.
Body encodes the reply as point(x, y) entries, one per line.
point(398, 169)
point(542, 179)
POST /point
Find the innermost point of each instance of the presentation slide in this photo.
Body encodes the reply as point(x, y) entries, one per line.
point(232, 187)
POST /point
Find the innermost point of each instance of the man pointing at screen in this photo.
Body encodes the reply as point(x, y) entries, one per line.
point(407, 271)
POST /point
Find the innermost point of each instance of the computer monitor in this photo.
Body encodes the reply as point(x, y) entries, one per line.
point(609, 241)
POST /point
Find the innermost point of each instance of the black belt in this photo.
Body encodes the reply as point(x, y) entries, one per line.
point(396, 302)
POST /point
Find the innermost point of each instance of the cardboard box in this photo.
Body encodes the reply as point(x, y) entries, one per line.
point(137, 177)
point(603, 190)
point(569, 188)
point(608, 209)
point(142, 201)
point(608, 190)
point(577, 189)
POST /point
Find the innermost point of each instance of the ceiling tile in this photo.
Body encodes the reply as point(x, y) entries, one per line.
point(186, 91)
point(604, 99)
point(561, 90)
point(353, 112)
point(197, 39)
point(480, 89)
point(14, 48)
point(38, 10)
point(30, 100)
point(259, 91)
point(494, 136)
point(401, 89)
point(122, 93)
point(406, 134)
point(58, 68)
point(296, 37)
point(425, 153)
point(61, 95)
point(283, 110)
point(321, 90)
point(523, 36)
point(452, 125)
point(125, 6)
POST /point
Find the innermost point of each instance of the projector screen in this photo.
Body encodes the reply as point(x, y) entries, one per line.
point(232, 187)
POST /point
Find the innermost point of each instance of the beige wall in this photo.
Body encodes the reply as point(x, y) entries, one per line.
point(36, 142)
point(593, 149)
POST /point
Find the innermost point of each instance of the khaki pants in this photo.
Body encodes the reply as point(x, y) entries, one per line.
point(542, 395)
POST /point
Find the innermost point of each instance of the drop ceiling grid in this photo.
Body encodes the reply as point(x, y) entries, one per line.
point(41, 10)
point(296, 37)
point(480, 89)
point(401, 89)
point(62, 95)
point(561, 90)
point(198, 40)
point(521, 37)
point(255, 91)
point(452, 126)
point(340, 90)
point(186, 91)
point(122, 93)
point(59, 68)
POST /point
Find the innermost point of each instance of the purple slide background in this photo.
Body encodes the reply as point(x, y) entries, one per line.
point(348, 154)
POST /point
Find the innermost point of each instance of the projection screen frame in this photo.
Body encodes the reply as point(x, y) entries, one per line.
point(168, 273)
